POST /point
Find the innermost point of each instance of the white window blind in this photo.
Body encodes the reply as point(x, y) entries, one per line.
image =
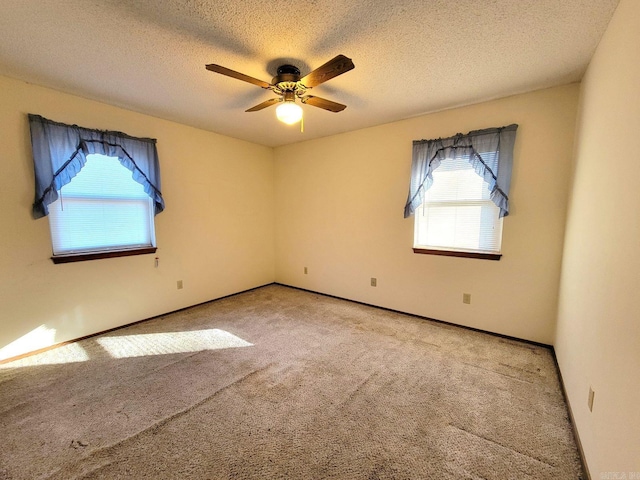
point(457, 213)
point(101, 209)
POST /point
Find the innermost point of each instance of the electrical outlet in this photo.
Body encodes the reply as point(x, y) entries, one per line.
point(590, 400)
point(179, 284)
point(305, 270)
point(374, 282)
point(466, 298)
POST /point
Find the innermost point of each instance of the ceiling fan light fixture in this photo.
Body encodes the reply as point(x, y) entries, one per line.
point(289, 112)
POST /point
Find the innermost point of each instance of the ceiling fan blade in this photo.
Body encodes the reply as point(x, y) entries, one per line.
point(333, 68)
point(265, 104)
point(323, 103)
point(240, 76)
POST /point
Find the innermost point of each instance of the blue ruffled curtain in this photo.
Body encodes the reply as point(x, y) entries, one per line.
point(489, 151)
point(60, 151)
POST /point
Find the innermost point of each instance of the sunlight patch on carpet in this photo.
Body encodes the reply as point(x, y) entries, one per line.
point(172, 342)
point(71, 353)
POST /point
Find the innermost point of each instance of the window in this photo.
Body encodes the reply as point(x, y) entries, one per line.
point(101, 209)
point(459, 192)
point(101, 190)
point(457, 213)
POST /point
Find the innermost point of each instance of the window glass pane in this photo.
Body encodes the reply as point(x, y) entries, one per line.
point(457, 213)
point(457, 180)
point(104, 177)
point(459, 226)
point(102, 208)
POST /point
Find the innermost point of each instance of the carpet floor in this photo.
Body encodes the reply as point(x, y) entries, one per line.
point(278, 383)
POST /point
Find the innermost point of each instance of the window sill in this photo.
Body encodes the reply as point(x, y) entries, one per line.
point(454, 253)
point(81, 257)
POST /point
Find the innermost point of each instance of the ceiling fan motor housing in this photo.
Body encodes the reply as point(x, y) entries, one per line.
point(287, 79)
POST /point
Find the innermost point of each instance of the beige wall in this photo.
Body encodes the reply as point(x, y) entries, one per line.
point(216, 233)
point(598, 338)
point(339, 204)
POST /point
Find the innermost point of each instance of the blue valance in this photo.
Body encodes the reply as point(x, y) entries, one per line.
point(489, 151)
point(60, 151)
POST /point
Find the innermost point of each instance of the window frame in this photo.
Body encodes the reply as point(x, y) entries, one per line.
point(97, 196)
point(458, 253)
point(59, 153)
point(490, 152)
point(451, 251)
point(81, 257)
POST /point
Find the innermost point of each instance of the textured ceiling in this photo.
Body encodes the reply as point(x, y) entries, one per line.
point(412, 56)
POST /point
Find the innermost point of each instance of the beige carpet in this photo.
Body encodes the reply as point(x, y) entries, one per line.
point(278, 383)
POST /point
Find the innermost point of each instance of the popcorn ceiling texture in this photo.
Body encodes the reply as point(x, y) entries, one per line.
point(326, 389)
point(412, 57)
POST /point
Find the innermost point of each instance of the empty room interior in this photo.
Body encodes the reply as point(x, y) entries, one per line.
point(292, 314)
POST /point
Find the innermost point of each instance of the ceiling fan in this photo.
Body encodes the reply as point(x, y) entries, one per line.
point(288, 85)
